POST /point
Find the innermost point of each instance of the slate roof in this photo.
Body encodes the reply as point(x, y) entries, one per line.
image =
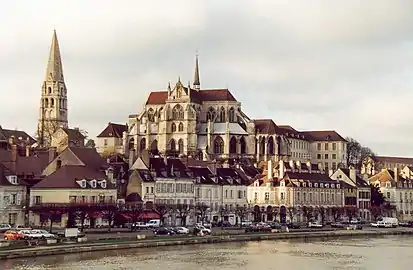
point(204, 95)
point(323, 135)
point(113, 130)
point(204, 174)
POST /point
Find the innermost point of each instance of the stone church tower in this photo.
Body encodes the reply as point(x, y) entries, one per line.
point(53, 103)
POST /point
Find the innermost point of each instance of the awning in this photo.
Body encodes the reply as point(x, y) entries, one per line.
point(125, 216)
point(149, 215)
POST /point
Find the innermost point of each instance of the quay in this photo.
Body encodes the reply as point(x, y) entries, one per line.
point(114, 244)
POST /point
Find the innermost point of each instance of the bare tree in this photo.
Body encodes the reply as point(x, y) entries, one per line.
point(182, 212)
point(241, 212)
point(292, 211)
point(90, 143)
point(201, 211)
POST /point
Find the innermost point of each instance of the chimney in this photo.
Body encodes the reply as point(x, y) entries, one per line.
point(11, 140)
point(281, 169)
point(396, 174)
point(298, 164)
point(353, 175)
point(27, 150)
point(269, 170)
point(292, 165)
point(52, 153)
point(109, 174)
point(58, 164)
point(14, 153)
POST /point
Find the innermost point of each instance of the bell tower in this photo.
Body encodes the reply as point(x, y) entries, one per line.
point(53, 102)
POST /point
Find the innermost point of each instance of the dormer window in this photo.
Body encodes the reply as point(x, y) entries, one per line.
point(83, 183)
point(316, 185)
point(103, 183)
point(338, 185)
point(310, 185)
point(282, 184)
point(93, 183)
point(327, 185)
point(332, 185)
point(304, 185)
point(388, 185)
point(12, 179)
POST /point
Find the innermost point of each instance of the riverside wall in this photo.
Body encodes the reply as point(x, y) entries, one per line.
point(190, 240)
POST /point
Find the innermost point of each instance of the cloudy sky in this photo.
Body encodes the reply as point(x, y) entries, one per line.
point(344, 65)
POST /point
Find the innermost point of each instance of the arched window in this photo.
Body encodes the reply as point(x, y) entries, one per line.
point(243, 145)
point(181, 127)
point(181, 146)
point(160, 111)
point(231, 115)
point(49, 90)
point(211, 114)
point(154, 146)
point(131, 144)
point(218, 145)
point(222, 115)
point(151, 115)
point(271, 146)
point(172, 145)
point(233, 146)
point(178, 112)
point(142, 144)
point(173, 127)
point(52, 102)
point(262, 146)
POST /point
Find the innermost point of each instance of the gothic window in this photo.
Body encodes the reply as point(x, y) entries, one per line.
point(211, 114)
point(49, 90)
point(131, 144)
point(151, 115)
point(172, 145)
point(271, 146)
point(191, 112)
point(178, 112)
point(181, 127)
point(233, 146)
point(181, 146)
point(231, 115)
point(218, 145)
point(142, 145)
point(160, 112)
point(154, 146)
point(173, 127)
point(222, 115)
point(46, 103)
point(262, 146)
point(243, 145)
point(52, 102)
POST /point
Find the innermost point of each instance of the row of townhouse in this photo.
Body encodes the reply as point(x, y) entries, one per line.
point(396, 185)
point(298, 192)
point(221, 191)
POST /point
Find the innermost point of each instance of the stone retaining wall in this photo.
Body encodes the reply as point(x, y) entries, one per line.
point(77, 248)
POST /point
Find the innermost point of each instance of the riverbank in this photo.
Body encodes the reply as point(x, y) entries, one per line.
point(190, 240)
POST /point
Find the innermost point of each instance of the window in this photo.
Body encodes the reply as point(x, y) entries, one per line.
point(93, 199)
point(173, 127)
point(318, 156)
point(226, 193)
point(255, 196)
point(243, 145)
point(101, 198)
point(334, 156)
point(239, 194)
point(267, 196)
point(211, 114)
point(231, 115)
point(298, 196)
point(151, 115)
point(316, 185)
point(178, 112)
point(222, 115)
point(12, 218)
point(334, 146)
point(72, 199)
point(147, 189)
point(310, 197)
point(334, 166)
point(326, 146)
point(231, 195)
point(326, 166)
point(13, 199)
point(37, 200)
point(319, 146)
point(218, 145)
point(105, 142)
point(181, 146)
point(181, 127)
point(325, 156)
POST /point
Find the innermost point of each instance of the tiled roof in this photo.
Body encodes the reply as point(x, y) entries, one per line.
point(66, 177)
point(159, 97)
point(73, 133)
point(323, 135)
point(145, 175)
point(19, 136)
point(89, 157)
point(265, 126)
point(397, 160)
point(204, 174)
point(313, 177)
point(113, 130)
point(228, 176)
point(3, 173)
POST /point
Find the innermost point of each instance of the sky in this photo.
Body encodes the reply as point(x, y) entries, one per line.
point(315, 65)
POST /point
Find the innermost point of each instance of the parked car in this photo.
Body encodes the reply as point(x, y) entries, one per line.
point(203, 229)
point(13, 235)
point(154, 223)
point(44, 233)
point(258, 228)
point(223, 223)
point(4, 227)
point(181, 230)
point(354, 227)
point(337, 225)
point(31, 234)
point(138, 226)
point(246, 223)
point(315, 225)
point(163, 231)
point(275, 225)
point(207, 224)
point(22, 227)
point(293, 225)
point(406, 223)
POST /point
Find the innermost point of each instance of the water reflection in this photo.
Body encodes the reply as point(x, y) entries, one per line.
point(346, 254)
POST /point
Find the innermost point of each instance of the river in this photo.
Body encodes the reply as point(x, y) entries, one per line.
point(393, 252)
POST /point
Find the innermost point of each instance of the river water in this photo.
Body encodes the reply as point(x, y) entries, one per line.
point(393, 252)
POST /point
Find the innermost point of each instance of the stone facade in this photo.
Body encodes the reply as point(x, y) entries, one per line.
point(53, 103)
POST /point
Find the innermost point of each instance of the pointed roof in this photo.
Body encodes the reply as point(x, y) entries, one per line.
point(197, 82)
point(54, 71)
point(113, 130)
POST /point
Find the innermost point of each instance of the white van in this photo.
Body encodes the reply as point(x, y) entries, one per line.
point(154, 223)
point(386, 222)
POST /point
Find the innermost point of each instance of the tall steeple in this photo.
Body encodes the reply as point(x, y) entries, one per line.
point(197, 83)
point(53, 103)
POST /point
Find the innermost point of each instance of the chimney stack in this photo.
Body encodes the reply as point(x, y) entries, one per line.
point(396, 174)
point(353, 175)
point(109, 174)
point(298, 164)
point(291, 165)
point(270, 170)
point(308, 166)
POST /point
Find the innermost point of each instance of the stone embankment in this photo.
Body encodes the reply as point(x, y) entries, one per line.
point(189, 240)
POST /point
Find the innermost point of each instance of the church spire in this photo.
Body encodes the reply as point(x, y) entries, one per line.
point(54, 71)
point(197, 83)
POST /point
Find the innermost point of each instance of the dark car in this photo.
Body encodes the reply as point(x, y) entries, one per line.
point(164, 231)
point(275, 225)
point(292, 225)
point(258, 228)
point(337, 225)
point(355, 227)
point(406, 223)
point(222, 224)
